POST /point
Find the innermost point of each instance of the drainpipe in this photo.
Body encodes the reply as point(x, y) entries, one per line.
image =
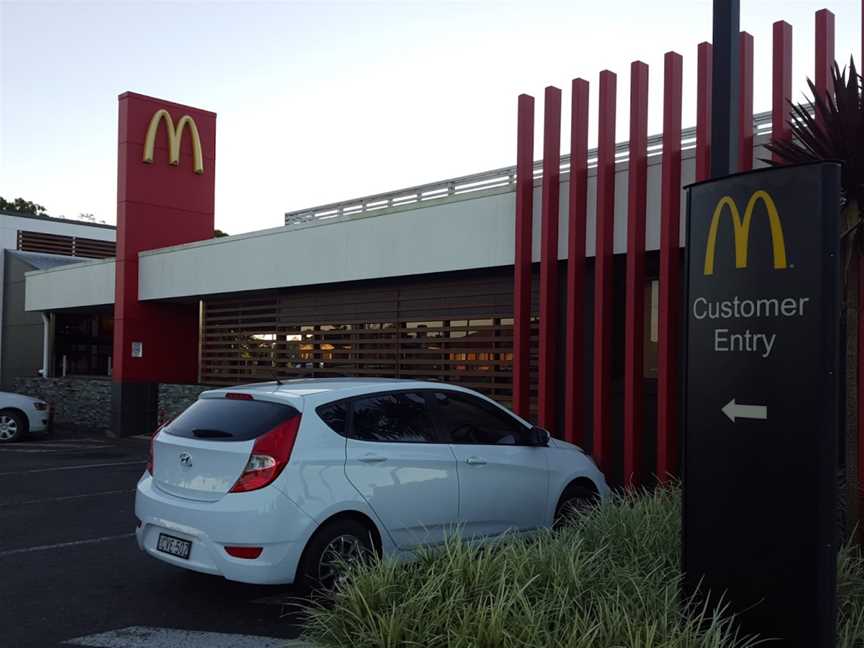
point(47, 343)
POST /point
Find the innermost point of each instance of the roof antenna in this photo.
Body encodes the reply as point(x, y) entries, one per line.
point(276, 378)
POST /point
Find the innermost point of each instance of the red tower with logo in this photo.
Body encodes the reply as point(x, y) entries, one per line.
point(165, 193)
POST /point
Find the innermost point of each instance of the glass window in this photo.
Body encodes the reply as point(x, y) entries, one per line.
point(465, 419)
point(333, 414)
point(226, 419)
point(652, 328)
point(394, 417)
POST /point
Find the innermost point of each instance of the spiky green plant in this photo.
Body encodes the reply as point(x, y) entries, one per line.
point(831, 127)
point(611, 582)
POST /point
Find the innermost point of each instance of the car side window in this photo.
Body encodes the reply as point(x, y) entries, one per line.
point(465, 419)
point(392, 417)
point(334, 415)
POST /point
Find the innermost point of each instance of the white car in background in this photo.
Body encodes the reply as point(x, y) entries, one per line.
point(20, 415)
point(285, 482)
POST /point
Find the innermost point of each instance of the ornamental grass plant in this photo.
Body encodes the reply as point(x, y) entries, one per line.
point(610, 581)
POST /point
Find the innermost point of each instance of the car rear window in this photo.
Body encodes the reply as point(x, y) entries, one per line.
point(223, 419)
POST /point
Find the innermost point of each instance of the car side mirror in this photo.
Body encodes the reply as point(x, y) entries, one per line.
point(539, 436)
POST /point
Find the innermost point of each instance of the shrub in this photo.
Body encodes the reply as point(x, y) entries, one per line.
point(611, 581)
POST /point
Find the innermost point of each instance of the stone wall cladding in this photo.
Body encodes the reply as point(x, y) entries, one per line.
point(81, 404)
point(84, 404)
point(173, 399)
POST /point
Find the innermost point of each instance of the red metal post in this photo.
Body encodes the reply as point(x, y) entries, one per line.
point(745, 103)
point(824, 52)
point(522, 258)
point(574, 388)
point(670, 271)
point(703, 111)
point(634, 322)
point(781, 84)
point(605, 215)
point(549, 350)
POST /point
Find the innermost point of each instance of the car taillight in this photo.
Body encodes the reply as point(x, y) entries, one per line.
point(270, 454)
point(150, 456)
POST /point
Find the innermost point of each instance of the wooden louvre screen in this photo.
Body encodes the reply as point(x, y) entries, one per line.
point(47, 243)
point(454, 329)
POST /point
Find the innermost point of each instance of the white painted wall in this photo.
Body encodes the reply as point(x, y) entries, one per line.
point(10, 224)
point(89, 283)
point(459, 233)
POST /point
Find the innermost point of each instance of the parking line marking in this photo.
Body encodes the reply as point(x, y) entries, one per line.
point(103, 465)
point(65, 498)
point(77, 443)
point(149, 637)
point(62, 545)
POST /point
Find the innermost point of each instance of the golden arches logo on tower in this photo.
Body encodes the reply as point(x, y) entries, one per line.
point(741, 231)
point(175, 138)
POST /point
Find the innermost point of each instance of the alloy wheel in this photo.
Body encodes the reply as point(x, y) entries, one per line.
point(338, 556)
point(8, 428)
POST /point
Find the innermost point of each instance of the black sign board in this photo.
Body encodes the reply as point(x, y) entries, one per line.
point(760, 402)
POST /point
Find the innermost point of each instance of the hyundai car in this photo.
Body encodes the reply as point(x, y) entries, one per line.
point(289, 481)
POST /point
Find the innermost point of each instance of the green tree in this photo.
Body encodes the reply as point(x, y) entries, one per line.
point(831, 128)
point(22, 206)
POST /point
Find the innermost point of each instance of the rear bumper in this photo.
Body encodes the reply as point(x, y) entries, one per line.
point(264, 518)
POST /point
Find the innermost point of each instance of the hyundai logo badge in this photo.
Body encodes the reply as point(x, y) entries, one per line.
point(185, 459)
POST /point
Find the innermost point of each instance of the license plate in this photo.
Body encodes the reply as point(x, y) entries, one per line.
point(174, 546)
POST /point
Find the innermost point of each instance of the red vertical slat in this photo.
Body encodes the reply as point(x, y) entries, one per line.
point(522, 258)
point(745, 103)
point(549, 350)
point(781, 84)
point(634, 323)
point(824, 51)
point(670, 271)
point(605, 216)
point(574, 396)
point(703, 111)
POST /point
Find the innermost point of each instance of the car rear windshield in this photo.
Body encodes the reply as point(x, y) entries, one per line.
point(223, 419)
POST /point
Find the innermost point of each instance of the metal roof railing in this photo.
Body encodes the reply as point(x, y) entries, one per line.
point(494, 181)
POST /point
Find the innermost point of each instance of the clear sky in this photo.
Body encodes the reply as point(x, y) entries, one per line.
point(324, 101)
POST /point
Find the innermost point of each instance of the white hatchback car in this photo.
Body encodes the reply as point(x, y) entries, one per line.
point(20, 414)
point(284, 482)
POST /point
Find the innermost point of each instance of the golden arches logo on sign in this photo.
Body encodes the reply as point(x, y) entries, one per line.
point(741, 231)
point(175, 138)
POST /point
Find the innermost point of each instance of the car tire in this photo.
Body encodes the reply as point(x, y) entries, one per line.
point(12, 426)
point(574, 501)
point(334, 545)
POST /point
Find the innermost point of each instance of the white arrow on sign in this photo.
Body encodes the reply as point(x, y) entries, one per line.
point(735, 410)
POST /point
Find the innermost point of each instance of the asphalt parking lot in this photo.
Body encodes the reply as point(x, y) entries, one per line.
point(71, 572)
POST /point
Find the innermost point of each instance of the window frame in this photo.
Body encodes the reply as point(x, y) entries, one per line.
point(344, 401)
point(424, 392)
point(483, 404)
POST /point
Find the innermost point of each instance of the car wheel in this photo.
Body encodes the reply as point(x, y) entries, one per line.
point(575, 501)
point(331, 552)
point(12, 426)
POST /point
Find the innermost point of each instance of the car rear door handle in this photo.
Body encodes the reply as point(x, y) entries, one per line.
point(475, 461)
point(372, 458)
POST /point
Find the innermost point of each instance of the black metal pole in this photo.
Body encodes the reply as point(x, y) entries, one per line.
point(725, 88)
